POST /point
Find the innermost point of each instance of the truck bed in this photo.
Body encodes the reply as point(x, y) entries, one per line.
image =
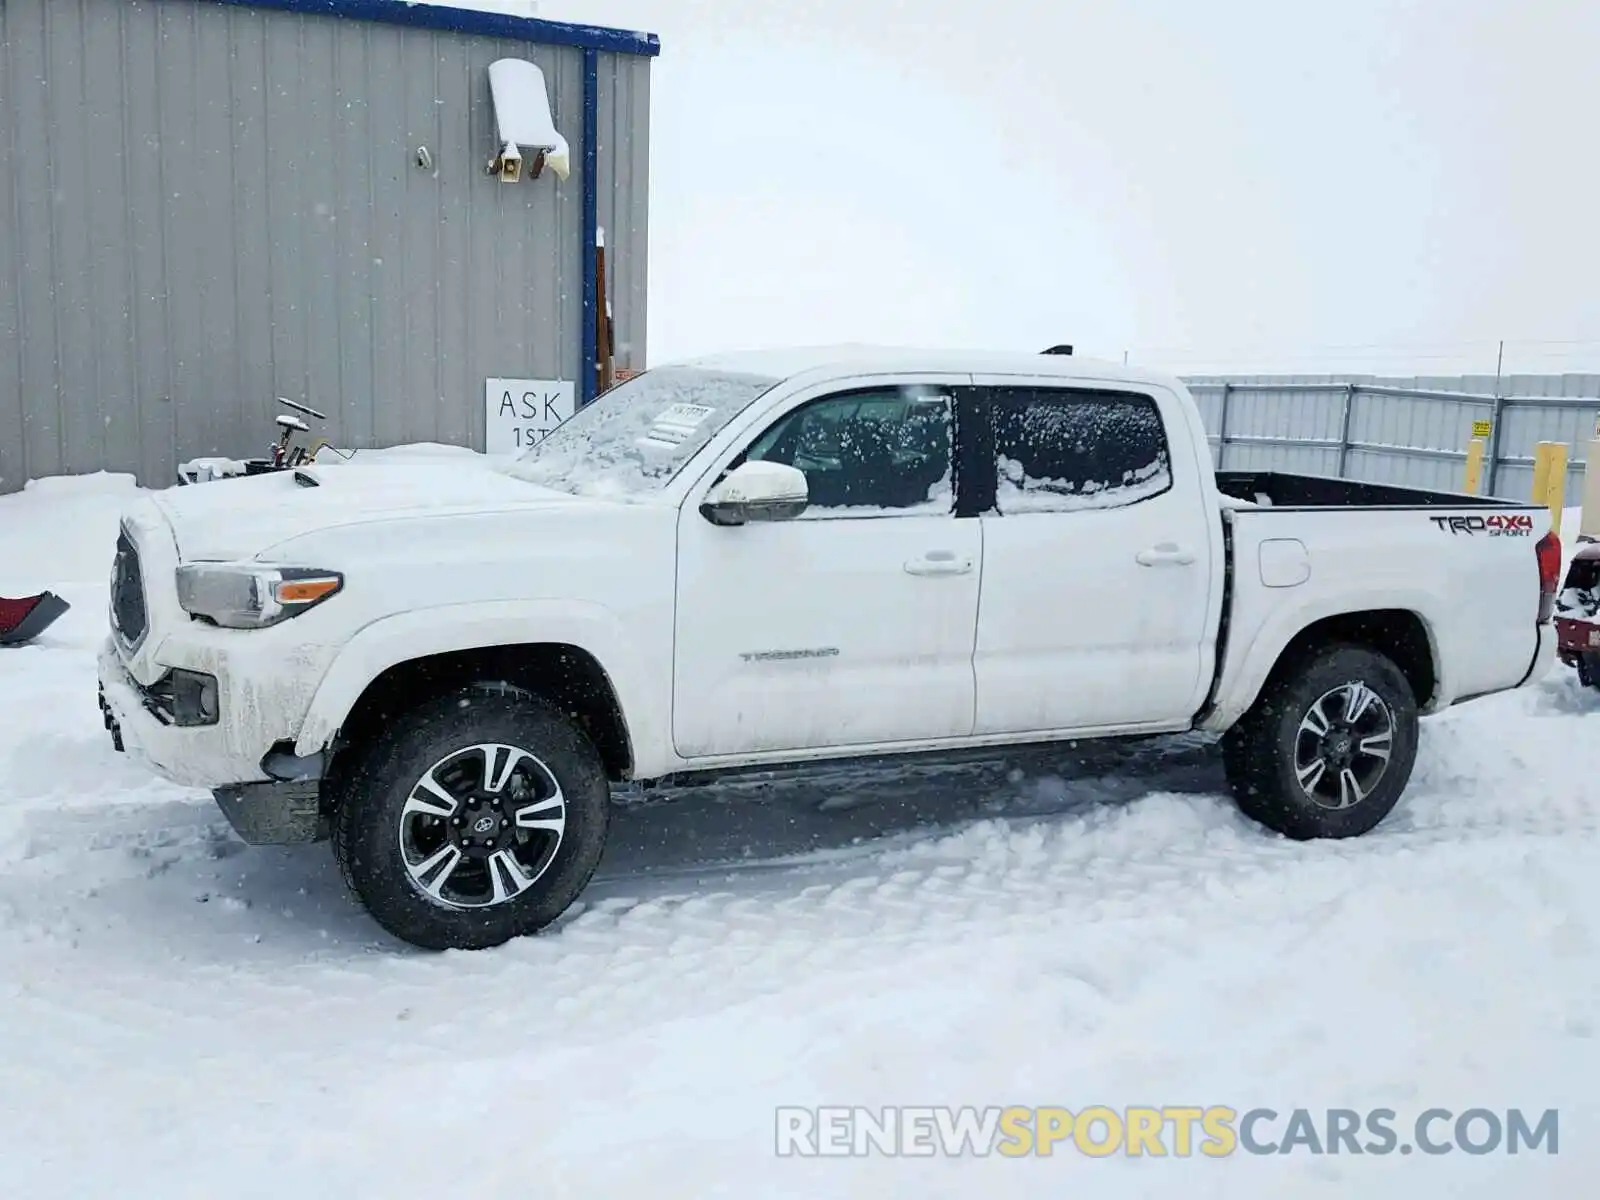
point(1281, 489)
point(1464, 587)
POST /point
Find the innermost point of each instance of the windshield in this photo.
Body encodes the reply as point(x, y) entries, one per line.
point(636, 437)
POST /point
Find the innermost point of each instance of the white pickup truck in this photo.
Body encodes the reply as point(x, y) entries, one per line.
point(780, 559)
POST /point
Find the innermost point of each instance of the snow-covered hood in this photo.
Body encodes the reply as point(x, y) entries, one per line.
point(244, 518)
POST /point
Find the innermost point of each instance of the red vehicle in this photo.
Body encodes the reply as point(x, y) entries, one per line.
point(24, 618)
point(1577, 613)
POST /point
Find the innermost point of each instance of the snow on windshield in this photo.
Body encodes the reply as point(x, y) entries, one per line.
point(635, 438)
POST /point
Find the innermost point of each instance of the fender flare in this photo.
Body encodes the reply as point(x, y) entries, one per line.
point(446, 628)
point(1243, 679)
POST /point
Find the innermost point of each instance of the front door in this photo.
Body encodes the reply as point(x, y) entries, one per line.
point(1097, 567)
point(852, 624)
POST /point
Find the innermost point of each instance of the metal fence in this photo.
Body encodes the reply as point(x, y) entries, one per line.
point(1412, 432)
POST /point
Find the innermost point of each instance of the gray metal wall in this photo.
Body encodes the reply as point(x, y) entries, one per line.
point(205, 206)
point(1411, 431)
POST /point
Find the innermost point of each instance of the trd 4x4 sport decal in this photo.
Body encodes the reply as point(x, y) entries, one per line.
point(1499, 525)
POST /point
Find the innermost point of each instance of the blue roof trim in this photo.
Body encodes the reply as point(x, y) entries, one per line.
point(466, 20)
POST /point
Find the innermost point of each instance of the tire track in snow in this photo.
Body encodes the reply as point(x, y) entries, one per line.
point(115, 891)
point(1092, 918)
point(990, 861)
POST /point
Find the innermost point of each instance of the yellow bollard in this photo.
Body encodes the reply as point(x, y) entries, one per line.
point(1541, 472)
point(1550, 479)
point(1474, 464)
point(1589, 519)
point(1556, 495)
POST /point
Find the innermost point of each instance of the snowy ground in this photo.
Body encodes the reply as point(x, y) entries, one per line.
point(186, 1017)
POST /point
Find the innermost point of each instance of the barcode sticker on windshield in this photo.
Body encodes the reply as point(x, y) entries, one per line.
point(685, 414)
point(677, 422)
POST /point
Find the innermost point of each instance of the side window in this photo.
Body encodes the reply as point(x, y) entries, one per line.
point(1057, 451)
point(888, 448)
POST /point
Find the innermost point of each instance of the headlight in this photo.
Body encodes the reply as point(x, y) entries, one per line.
point(252, 595)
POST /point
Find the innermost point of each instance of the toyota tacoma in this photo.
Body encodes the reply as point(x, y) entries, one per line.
point(781, 559)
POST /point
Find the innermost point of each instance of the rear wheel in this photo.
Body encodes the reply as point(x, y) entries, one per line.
point(1328, 747)
point(476, 819)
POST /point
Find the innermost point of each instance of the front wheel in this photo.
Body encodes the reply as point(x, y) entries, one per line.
point(476, 819)
point(1328, 747)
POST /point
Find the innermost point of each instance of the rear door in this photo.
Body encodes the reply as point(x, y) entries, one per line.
point(1097, 566)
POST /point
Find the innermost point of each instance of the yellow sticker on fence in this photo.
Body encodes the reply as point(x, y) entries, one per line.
point(1480, 429)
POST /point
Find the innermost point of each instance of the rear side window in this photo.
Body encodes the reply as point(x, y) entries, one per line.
point(1059, 451)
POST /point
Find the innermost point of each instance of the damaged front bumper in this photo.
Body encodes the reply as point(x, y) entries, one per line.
point(271, 798)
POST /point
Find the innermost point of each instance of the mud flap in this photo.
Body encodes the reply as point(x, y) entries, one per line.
point(274, 814)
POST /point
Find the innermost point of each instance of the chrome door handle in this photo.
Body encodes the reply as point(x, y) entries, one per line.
point(1164, 555)
point(938, 562)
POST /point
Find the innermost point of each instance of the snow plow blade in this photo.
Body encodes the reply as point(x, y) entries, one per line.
point(24, 619)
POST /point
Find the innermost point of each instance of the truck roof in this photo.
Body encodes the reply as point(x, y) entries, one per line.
point(787, 362)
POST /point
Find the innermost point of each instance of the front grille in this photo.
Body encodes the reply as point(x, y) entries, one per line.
point(127, 592)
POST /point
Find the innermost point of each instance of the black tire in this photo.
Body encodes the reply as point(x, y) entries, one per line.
point(1589, 670)
point(375, 836)
point(1265, 751)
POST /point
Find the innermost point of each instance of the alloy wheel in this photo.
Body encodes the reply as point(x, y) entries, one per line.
point(1342, 746)
point(481, 826)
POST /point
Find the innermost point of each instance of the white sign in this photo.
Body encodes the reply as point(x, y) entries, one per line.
point(517, 413)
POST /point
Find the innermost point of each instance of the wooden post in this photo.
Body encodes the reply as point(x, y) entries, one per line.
point(1541, 473)
point(1550, 479)
point(1475, 464)
point(1556, 486)
point(1589, 518)
point(603, 331)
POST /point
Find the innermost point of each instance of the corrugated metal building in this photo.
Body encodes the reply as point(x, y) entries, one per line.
point(206, 204)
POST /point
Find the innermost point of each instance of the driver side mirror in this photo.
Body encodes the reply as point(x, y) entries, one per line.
point(757, 491)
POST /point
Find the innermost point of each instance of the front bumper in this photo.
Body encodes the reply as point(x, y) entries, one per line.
point(273, 799)
point(204, 756)
point(259, 683)
point(161, 673)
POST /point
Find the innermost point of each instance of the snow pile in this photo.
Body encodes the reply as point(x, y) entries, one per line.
point(1019, 492)
point(185, 1016)
point(410, 452)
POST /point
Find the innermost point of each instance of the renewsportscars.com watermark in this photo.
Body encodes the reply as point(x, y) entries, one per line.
point(1177, 1131)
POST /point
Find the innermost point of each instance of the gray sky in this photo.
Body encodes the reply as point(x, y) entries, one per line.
point(1220, 181)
